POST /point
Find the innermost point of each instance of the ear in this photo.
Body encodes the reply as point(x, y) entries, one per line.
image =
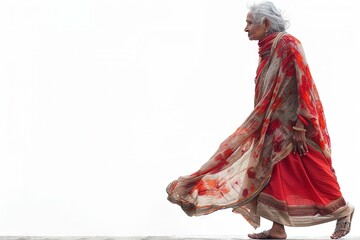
point(267, 24)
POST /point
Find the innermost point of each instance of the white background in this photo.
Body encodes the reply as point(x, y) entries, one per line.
point(103, 103)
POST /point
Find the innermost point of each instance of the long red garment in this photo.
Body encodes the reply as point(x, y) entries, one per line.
point(302, 191)
point(239, 174)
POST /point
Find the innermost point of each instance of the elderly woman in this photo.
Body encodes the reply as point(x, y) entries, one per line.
point(277, 164)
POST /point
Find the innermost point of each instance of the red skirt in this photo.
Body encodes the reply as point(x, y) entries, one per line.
point(303, 191)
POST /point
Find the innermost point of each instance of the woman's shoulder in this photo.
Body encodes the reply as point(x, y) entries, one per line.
point(288, 38)
point(288, 45)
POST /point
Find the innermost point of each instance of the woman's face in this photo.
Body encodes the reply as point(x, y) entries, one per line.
point(255, 31)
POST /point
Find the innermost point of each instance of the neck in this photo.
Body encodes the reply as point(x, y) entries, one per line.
point(265, 44)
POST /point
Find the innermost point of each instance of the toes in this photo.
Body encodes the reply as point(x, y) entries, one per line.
point(256, 235)
point(338, 234)
point(253, 235)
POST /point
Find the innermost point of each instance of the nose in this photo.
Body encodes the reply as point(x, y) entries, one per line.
point(246, 29)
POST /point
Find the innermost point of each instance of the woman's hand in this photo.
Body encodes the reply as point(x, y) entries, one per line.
point(299, 139)
point(299, 143)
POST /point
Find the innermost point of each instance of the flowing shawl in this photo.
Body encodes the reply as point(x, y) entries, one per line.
point(242, 165)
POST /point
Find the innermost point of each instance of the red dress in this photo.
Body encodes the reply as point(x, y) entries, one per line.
point(301, 189)
point(254, 170)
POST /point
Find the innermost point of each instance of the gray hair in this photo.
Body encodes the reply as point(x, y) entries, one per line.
point(267, 10)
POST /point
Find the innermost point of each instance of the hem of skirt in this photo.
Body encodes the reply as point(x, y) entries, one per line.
point(302, 216)
point(301, 210)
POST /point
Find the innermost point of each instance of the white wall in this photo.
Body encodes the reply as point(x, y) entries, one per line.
point(103, 103)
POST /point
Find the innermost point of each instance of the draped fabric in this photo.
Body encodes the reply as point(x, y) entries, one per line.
point(303, 191)
point(242, 166)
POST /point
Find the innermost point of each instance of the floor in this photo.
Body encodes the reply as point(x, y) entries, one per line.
point(156, 238)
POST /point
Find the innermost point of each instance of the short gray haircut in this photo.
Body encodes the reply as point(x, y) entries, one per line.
point(267, 10)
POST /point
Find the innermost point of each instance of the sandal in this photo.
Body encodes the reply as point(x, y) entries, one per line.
point(262, 235)
point(343, 227)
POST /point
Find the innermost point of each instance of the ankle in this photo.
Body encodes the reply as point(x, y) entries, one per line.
point(278, 232)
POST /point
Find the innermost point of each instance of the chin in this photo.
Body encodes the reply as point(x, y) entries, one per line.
point(254, 39)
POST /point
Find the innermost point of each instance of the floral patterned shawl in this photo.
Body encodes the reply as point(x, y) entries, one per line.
point(242, 166)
